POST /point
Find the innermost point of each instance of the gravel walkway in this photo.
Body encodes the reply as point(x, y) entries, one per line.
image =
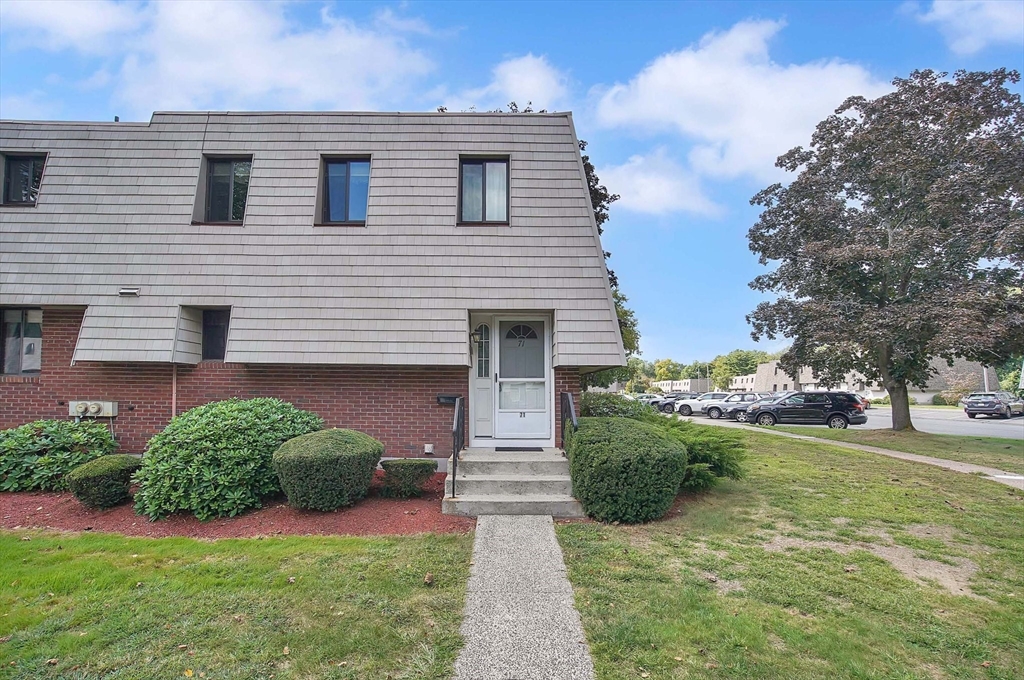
point(520, 622)
point(1001, 476)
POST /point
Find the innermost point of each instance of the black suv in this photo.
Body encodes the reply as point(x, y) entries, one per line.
point(835, 409)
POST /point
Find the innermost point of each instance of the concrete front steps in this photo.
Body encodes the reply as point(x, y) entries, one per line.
point(493, 482)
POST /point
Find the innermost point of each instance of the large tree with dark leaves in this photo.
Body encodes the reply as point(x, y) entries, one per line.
point(901, 238)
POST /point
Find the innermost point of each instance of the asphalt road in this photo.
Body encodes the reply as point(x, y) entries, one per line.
point(947, 421)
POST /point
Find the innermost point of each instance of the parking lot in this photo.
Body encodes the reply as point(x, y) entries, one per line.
point(947, 421)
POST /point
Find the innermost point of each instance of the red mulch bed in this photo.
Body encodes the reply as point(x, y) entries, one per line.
point(372, 516)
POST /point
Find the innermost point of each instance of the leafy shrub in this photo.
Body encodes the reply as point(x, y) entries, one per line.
point(601, 404)
point(625, 470)
point(712, 452)
point(328, 469)
point(38, 455)
point(404, 478)
point(215, 460)
point(939, 400)
point(103, 482)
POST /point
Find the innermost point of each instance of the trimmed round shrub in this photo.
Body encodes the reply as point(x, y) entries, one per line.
point(37, 456)
point(606, 404)
point(624, 470)
point(404, 478)
point(215, 460)
point(104, 482)
point(328, 469)
point(939, 400)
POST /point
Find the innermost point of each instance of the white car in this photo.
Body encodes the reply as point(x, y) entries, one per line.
point(686, 407)
point(715, 409)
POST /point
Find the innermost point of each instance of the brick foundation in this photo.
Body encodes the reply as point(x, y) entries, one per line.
point(396, 404)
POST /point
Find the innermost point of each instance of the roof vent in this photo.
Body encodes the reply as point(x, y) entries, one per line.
point(129, 292)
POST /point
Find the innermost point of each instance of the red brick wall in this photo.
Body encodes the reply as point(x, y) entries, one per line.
point(397, 405)
point(567, 379)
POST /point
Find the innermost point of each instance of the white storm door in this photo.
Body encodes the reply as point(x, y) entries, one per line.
point(481, 401)
point(523, 406)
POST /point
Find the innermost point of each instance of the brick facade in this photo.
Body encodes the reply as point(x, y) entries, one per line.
point(567, 379)
point(397, 405)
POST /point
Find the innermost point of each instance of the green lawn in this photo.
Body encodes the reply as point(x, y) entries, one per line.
point(1002, 454)
point(792, 574)
point(106, 606)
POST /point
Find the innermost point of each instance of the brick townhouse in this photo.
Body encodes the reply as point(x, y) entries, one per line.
point(365, 266)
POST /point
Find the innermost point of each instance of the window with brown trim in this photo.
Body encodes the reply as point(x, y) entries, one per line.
point(227, 188)
point(21, 351)
point(483, 190)
point(346, 190)
point(22, 177)
point(215, 333)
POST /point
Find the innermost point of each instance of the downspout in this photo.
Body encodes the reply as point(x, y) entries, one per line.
point(174, 390)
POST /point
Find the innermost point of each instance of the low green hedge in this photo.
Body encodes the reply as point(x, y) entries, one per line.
point(404, 478)
point(606, 404)
point(37, 456)
point(624, 470)
point(215, 460)
point(328, 469)
point(712, 452)
point(104, 482)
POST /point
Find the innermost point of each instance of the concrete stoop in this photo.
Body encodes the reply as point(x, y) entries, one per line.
point(511, 483)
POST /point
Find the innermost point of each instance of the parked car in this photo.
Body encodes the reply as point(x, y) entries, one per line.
point(686, 407)
point(1001, 404)
point(668, 404)
point(838, 410)
point(737, 410)
point(716, 409)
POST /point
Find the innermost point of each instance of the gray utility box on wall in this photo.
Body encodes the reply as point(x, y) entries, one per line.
point(92, 409)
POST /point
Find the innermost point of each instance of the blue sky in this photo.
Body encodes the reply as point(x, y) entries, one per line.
point(685, 105)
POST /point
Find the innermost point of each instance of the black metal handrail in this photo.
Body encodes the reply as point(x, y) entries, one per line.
point(568, 415)
point(458, 437)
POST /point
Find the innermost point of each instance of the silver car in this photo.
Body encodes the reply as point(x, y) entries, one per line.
point(1000, 404)
point(686, 407)
point(715, 409)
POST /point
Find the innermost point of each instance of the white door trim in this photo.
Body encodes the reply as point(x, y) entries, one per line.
point(549, 383)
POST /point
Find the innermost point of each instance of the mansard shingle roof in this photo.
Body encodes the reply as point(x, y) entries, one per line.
point(115, 209)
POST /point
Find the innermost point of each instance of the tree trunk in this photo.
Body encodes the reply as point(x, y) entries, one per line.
point(900, 400)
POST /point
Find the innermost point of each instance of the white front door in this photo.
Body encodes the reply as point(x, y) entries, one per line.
point(523, 365)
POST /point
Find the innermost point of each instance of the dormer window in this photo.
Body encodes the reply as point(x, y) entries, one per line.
point(483, 190)
point(22, 176)
point(227, 188)
point(346, 190)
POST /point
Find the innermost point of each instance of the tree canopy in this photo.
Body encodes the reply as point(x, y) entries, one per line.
point(901, 238)
point(725, 367)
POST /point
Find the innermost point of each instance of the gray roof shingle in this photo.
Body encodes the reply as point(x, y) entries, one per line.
point(116, 209)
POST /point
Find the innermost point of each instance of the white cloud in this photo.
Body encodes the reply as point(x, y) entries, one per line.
point(655, 184)
point(970, 26)
point(388, 19)
point(33, 105)
point(520, 79)
point(244, 55)
point(740, 109)
point(84, 25)
point(229, 54)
